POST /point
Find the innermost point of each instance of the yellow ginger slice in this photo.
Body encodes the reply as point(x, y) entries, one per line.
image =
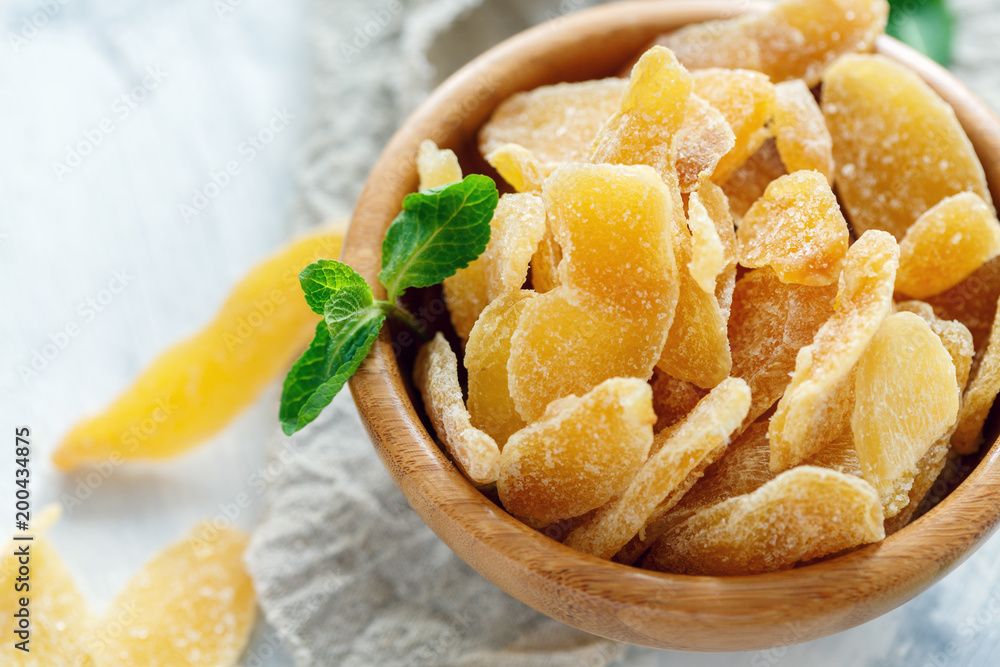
point(519, 167)
point(801, 514)
point(954, 335)
point(55, 623)
point(801, 135)
point(797, 229)
point(928, 470)
point(813, 409)
point(794, 39)
point(973, 302)
point(555, 123)
point(770, 322)
point(898, 147)
point(946, 244)
point(747, 184)
point(702, 436)
point(568, 342)
point(436, 375)
point(716, 204)
point(979, 396)
point(436, 166)
point(746, 101)
point(516, 230)
point(193, 604)
point(708, 256)
point(580, 454)
point(702, 140)
point(491, 409)
point(545, 264)
point(906, 399)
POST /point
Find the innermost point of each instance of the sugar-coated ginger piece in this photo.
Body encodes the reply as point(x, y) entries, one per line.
point(770, 322)
point(954, 335)
point(946, 244)
point(491, 409)
point(436, 166)
point(801, 514)
point(702, 140)
point(568, 342)
point(797, 229)
point(973, 302)
point(193, 604)
point(673, 399)
point(581, 453)
point(516, 229)
point(898, 147)
point(747, 184)
point(702, 435)
point(519, 167)
point(716, 204)
point(795, 39)
point(813, 408)
point(653, 107)
point(614, 225)
point(979, 396)
point(545, 263)
point(746, 101)
point(928, 470)
point(436, 375)
point(556, 123)
point(906, 398)
point(708, 256)
point(800, 133)
point(465, 295)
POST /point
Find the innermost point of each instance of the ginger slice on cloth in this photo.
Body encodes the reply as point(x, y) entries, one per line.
point(800, 132)
point(582, 452)
point(815, 406)
point(436, 376)
point(685, 450)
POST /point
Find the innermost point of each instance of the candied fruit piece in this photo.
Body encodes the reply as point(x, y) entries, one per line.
point(436, 166)
point(898, 147)
point(653, 108)
point(973, 302)
point(984, 384)
point(556, 123)
point(954, 335)
point(946, 244)
point(746, 101)
point(685, 451)
point(193, 604)
point(568, 342)
point(747, 184)
point(795, 39)
point(928, 470)
point(708, 256)
point(801, 514)
point(516, 230)
point(465, 296)
point(703, 139)
point(814, 406)
point(519, 167)
point(770, 322)
point(491, 408)
point(545, 263)
point(613, 224)
point(436, 376)
point(581, 453)
point(797, 229)
point(906, 398)
point(800, 133)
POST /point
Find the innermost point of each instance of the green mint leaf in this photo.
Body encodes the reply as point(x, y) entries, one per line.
point(437, 233)
point(323, 370)
point(926, 25)
point(321, 280)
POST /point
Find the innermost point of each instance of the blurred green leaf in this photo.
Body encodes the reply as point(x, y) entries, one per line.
point(926, 25)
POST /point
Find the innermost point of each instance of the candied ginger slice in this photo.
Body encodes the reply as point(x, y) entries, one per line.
point(519, 167)
point(898, 147)
point(797, 229)
point(954, 335)
point(801, 514)
point(906, 398)
point(708, 256)
point(813, 407)
point(702, 140)
point(946, 244)
point(702, 435)
point(984, 385)
point(747, 184)
point(973, 302)
point(436, 166)
point(556, 123)
point(545, 263)
point(800, 132)
point(465, 295)
point(193, 604)
point(672, 399)
point(928, 470)
point(516, 230)
point(436, 376)
point(581, 453)
point(491, 409)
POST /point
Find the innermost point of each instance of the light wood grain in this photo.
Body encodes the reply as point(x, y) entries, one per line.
point(605, 598)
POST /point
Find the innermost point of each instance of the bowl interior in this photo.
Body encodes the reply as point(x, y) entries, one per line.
point(605, 598)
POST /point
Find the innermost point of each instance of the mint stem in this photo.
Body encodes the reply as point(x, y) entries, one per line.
point(404, 316)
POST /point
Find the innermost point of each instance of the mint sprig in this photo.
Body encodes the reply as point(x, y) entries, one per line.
point(438, 232)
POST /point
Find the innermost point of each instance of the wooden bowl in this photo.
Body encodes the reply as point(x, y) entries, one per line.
point(601, 597)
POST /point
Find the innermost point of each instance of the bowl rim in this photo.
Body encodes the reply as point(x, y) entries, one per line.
point(602, 597)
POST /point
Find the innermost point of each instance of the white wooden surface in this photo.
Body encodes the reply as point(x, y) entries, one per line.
point(63, 239)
